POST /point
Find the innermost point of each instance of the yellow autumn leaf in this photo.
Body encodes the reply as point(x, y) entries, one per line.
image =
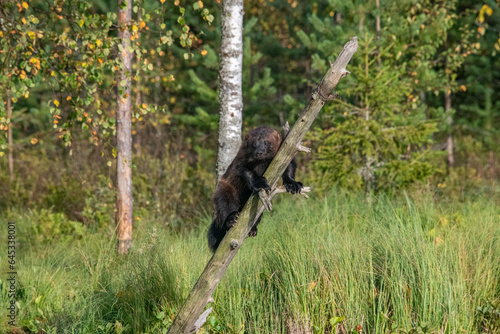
point(34, 141)
point(25, 5)
point(172, 99)
point(68, 98)
point(162, 1)
point(23, 20)
point(53, 73)
point(489, 11)
point(98, 42)
point(480, 30)
point(23, 74)
point(142, 24)
point(204, 52)
point(26, 95)
point(166, 120)
point(56, 103)
point(134, 28)
point(200, 3)
point(144, 106)
point(31, 34)
point(1, 33)
point(463, 88)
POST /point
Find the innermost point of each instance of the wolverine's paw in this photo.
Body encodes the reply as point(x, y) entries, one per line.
point(260, 184)
point(253, 232)
point(294, 187)
point(231, 220)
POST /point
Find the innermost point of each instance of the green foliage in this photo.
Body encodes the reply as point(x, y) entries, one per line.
point(383, 141)
point(407, 265)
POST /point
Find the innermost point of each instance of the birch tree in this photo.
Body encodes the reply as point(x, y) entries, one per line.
point(230, 78)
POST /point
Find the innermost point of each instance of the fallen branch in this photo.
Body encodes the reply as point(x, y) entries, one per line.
point(217, 266)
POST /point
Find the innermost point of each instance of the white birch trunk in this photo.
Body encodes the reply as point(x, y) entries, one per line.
point(230, 78)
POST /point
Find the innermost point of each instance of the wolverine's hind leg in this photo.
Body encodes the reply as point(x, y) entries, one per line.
point(253, 231)
point(226, 205)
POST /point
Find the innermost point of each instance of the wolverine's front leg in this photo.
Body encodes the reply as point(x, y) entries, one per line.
point(289, 182)
point(255, 181)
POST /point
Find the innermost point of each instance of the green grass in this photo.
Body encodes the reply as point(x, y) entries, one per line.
point(392, 265)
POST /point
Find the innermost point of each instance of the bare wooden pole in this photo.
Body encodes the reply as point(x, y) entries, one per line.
point(216, 267)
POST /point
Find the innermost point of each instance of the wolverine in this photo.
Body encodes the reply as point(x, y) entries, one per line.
point(243, 177)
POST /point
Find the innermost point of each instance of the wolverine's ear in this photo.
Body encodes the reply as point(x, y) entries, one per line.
point(248, 135)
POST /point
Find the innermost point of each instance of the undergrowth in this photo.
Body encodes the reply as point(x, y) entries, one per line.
point(336, 264)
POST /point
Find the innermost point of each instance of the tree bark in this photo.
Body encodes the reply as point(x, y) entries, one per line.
point(124, 203)
point(230, 81)
point(216, 267)
point(138, 95)
point(9, 136)
point(449, 139)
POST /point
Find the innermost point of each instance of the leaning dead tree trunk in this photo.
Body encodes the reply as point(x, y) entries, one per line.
point(185, 322)
point(230, 78)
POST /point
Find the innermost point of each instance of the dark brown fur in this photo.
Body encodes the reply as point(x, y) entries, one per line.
point(243, 177)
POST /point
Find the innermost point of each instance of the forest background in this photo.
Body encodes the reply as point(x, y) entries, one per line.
point(419, 113)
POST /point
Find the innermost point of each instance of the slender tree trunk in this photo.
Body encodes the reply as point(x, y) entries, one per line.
point(9, 137)
point(449, 140)
point(377, 18)
point(157, 81)
point(361, 18)
point(138, 96)
point(377, 29)
point(124, 201)
point(230, 78)
point(338, 18)
point(492, 164)
point(489, 124)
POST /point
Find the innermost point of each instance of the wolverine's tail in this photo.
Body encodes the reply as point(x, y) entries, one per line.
point(215, 236)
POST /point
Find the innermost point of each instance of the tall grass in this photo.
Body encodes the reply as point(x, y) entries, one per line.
point(386, 266)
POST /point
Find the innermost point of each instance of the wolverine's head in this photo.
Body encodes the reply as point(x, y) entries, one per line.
point(262, 143)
